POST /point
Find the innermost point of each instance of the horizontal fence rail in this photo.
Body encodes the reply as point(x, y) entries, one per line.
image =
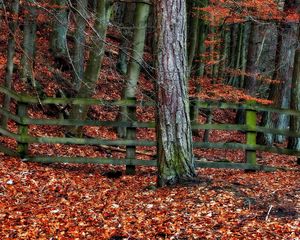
point(250, 128)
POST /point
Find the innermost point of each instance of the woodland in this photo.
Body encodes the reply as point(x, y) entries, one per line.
point(149, 119)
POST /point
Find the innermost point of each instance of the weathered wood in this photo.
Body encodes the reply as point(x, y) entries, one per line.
point(263, 148)
point(242, 166)
point(208, 121)
point(126, 102)
point(10, 134)
point(83, 141)
point(22, 147)
point(200, 164)
point(8, 151)
point(251, 136)
point(131, 135)
point(53, 159)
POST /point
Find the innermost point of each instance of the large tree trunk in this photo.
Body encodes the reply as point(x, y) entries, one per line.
point(14, 9)
point(174, 135)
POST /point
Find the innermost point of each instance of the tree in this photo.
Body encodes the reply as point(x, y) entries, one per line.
point(174, 135)
point(60, 29)
point(13, 24)
point(94, 62)
point(78, 58)
point(134, 67)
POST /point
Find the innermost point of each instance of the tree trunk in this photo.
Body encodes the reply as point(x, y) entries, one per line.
point(133, 73)
point(59, 32)
point(126, 35)
point(294, 143)
point(280, 94)
point(174, 136)
point(14, 9)
point(93, 67)
point(29, 43)
point(78, 59)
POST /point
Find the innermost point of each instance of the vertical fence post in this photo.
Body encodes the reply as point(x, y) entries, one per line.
point(251, 135)
point(22, 147)
point(131, 135)
point(194, 113)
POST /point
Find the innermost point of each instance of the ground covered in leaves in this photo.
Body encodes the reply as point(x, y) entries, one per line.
point(68, 201)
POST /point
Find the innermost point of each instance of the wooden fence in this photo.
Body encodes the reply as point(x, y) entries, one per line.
point(250, 128)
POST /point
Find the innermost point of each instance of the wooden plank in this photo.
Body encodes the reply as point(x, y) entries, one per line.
point(153, 163)
point(10, 134)
point(92, 141)
point(53, 159)
point(72, 101)
point(10, 115)
point(22, 147)
point(8, 151)
point(241, 166)
point(251, 136)
point(131, 135)
point(72, 122)
point(261, 108)
point(236, 146)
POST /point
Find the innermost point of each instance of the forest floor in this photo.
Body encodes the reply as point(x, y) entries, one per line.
point(72, 201)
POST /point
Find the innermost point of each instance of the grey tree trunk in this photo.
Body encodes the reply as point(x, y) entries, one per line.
point(174, 135)
point(13, 24)
point(126, 35)
point(294, 143)
point(193, 35)
point(133, 72)
point(29, 43)
point(93, 67)
point(78, 59)
point(280, 94)
point(59, 30)
point(252, 69)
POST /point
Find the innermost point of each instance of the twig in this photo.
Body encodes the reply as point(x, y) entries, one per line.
point(270, 208)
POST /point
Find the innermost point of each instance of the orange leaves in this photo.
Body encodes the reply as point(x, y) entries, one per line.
point(237, 11)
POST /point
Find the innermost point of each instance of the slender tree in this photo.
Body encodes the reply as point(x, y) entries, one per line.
point(12, 25)
point(78, 59)
point(133, 72)
point(59, 32)
point(174, 135)
point(29, 43)
point(93, 67)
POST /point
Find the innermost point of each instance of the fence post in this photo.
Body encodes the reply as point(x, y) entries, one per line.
point(251, 135)
point(194, 112)
point(22, 147)
point(131, 135)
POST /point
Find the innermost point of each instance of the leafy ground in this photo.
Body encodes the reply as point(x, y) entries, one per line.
point(60, 201)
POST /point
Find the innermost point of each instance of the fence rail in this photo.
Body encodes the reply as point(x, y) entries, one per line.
point(250, 128)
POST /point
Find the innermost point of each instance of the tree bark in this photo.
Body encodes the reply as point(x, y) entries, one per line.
point(93, 67)
point(59, 34)
point(174, 135)
point(14, 9)
point(281, 94)
point(29, 43)
point(78, 59)
point(134, 68)
point(294, 143)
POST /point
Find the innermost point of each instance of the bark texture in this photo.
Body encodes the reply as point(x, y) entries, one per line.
point(13, 24)
point(175, 157)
